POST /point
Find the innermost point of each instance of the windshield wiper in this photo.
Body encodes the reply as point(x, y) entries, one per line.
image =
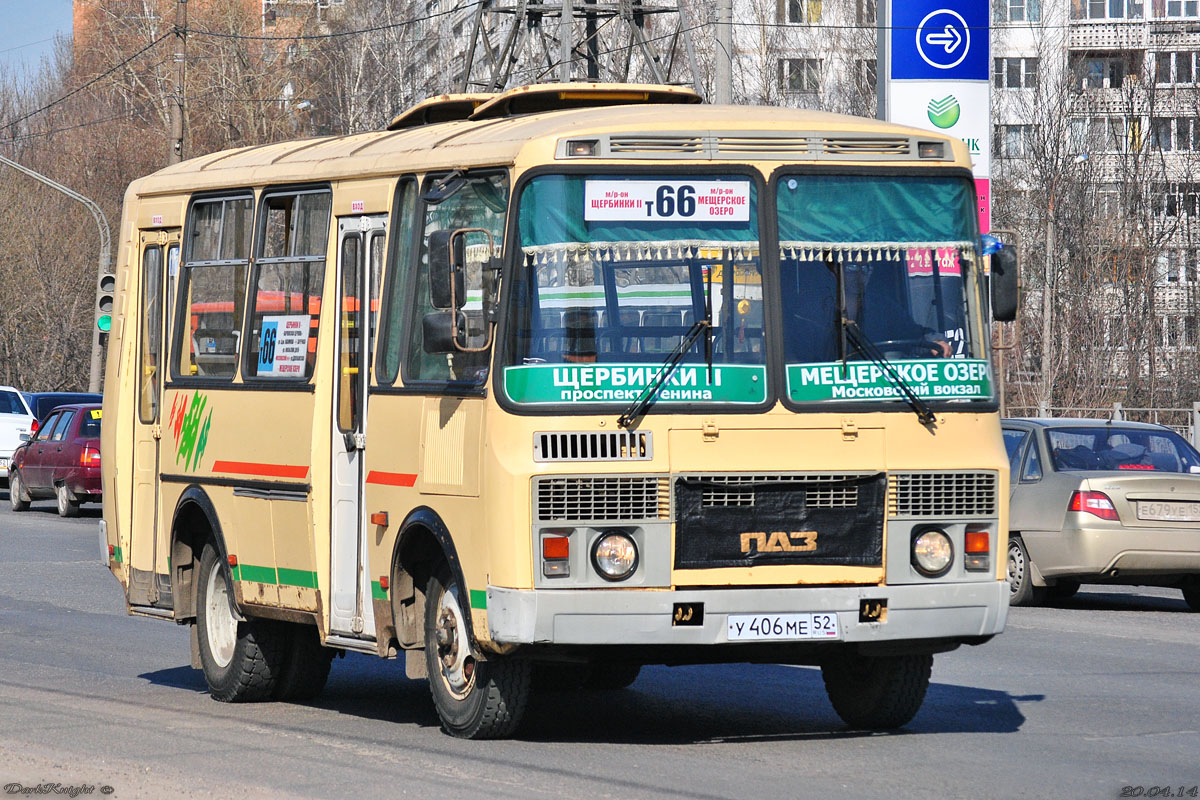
point(672, 360)
point(705, 326)
point(865, 346)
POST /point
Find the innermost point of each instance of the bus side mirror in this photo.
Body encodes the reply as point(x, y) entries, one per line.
point(447, 283)
point(442, 333)
point(1005, 284)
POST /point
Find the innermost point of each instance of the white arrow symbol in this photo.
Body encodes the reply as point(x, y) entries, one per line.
point(950, 39)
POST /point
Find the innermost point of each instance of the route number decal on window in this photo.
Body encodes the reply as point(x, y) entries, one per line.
point(283, 346)
point(667, 201)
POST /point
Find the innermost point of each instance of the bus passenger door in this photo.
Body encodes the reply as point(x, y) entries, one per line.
point(149, 580)
point(360, 257)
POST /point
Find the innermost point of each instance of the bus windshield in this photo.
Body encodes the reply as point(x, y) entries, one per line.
point(893, 257)
point(616, 269)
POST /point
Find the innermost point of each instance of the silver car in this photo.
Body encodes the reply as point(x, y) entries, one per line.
point(1097, 501)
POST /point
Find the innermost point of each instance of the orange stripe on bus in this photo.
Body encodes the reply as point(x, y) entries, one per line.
point(263, 470)
point(391, 478)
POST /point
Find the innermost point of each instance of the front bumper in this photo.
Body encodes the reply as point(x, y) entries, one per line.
point(643, 617)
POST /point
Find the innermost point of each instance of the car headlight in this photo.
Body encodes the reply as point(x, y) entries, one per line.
point(615, 556)
point(932, 552)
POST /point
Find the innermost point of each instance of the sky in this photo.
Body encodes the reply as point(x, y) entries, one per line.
point(27, 28)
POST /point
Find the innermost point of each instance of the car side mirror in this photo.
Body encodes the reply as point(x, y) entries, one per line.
point(1005, 284)
point(442, 332)
point(447, 281)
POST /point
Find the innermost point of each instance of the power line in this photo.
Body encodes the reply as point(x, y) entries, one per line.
point(79, 89)
point(27, 136)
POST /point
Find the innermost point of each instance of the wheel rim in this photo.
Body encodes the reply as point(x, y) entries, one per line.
point(220, 626)
point(1016, 567)
point(14, 489)
point(62, 500)
point(453, 648)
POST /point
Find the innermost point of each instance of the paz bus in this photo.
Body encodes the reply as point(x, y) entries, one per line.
point(562, 381)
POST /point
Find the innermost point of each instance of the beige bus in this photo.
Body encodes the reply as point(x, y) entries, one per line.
point(540, 387)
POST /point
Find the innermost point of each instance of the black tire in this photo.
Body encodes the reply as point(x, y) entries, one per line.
point(878, 693)
point(306, 666)
point(1020, 577)
point(242, 661)
point(612, 675)
point(18, 498)
point(1191, 596)
point(559, 676)
point(68, 506)
point(1063, 590)
point(475, 699)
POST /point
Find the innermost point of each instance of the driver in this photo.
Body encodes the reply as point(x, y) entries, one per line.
point(873, 305)
point(580, 324)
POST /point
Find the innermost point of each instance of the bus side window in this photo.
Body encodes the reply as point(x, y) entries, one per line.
point(213, 288)
point(479, 202)
point(288, 277)
point(395, 298)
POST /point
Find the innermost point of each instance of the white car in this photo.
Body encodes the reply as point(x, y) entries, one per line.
point(16, 423)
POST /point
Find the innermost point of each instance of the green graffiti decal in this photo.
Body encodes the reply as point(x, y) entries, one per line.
point(191, 434)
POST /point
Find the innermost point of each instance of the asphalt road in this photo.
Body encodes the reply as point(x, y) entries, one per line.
point(1081, 700)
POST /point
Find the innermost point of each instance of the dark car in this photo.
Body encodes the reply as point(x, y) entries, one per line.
point(61, 461)
point(42, 403)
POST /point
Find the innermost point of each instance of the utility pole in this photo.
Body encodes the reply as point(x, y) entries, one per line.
point(723, 91)
point(566, 37)
point(102, 268)
point(175, 155)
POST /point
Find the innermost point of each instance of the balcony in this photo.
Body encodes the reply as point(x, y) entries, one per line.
point(1086, 34)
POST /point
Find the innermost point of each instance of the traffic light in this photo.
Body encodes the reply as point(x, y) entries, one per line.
point(105, 287)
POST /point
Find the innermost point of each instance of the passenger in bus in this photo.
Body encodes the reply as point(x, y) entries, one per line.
point(580, 325)
point(874, 299)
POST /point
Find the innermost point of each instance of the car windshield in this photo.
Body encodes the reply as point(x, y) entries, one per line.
point(10, 403)
point(1112, 447)
point(616, 270)
point(895, 258)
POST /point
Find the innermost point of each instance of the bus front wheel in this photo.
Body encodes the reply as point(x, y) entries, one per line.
point(877, 693)
point(475, 699)
point(242, 661)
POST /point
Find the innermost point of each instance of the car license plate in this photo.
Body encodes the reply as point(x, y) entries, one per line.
point(1168, 512)
point(757, 627)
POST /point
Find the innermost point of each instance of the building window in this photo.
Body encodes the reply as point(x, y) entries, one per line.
point(1104, 134)
point(1180, 8)
point(1175, 133)
point(1102, 70)
point(800, 75)
point(1180, 67)
point(1175, 199)
point(1017, 11)
point(866, 13)
point(1106, 9)
point(1015, 73)
point(1176, 265)
point(799, 12)
point(868, 75)
point(1012, 141)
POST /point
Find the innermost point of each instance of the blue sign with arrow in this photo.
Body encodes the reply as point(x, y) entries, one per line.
point(940, 40)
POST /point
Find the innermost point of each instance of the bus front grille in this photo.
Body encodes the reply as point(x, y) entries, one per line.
point(820, 490)
point(593, 446)
point(943, 494)
point(601, 499)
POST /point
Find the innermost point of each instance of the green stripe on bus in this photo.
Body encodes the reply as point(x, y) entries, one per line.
point(249, 572)
point(117, 555)
point(479, 599)
point(377, 591)
point(297, 577)
point(235, 572)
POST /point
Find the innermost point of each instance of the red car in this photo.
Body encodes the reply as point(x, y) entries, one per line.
point(61, 461)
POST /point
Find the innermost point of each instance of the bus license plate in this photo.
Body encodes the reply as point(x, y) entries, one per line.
point(757, 627)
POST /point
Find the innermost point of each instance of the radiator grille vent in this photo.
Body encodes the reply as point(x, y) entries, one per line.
point(593, 446)
point(593, 498)
point(716, 145)
point(884, 146)
point(942, 494)
point(821, 491)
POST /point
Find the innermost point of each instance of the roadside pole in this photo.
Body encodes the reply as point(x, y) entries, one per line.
point(723, 91)
point(101, 270)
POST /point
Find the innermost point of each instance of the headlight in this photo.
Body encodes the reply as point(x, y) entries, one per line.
point(615, 556)
point(932, 553)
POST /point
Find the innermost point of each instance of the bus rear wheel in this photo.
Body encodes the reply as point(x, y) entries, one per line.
point(475, 699)
point(242, 661)
point(877, 693)
point(306, 667)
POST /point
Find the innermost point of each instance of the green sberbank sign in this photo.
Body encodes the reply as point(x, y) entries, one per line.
point(545, 384)
point(933, 379)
